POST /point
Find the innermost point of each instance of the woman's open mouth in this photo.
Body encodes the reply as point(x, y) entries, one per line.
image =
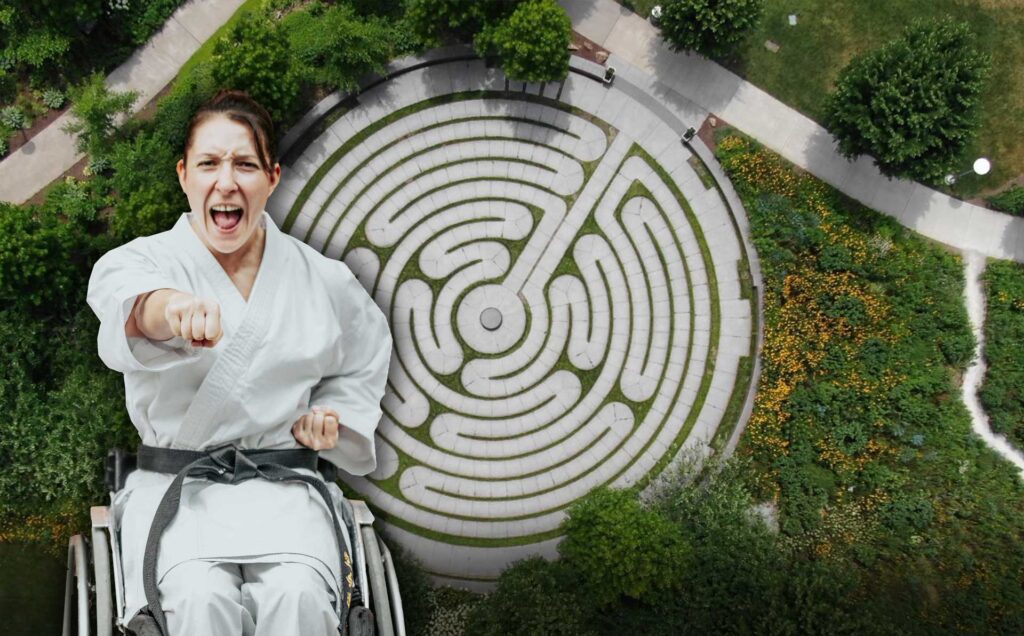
point(226, 217)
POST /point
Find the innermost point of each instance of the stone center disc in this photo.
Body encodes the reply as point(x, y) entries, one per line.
point(491, 319)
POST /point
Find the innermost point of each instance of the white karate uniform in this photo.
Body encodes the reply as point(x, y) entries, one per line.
point(308, 335)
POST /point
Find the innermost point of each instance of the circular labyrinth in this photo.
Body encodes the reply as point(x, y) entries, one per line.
point(563, 289)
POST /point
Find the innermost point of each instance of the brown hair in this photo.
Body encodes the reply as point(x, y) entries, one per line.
point(239, 106)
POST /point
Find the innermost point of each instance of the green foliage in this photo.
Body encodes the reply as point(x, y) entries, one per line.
point(731, 574)
point(44, 262)
point(1010, 200)
point(56, 40)
point(53, 98)
point(533, 597)
point(149, 196)
point(435, 22)
point(532, 43)
point(416, 589)
point(608, 524)
point(858, 433)
point(337, 47)
point(911, 104)
point(254, 57)
point(710, 27)
point(94, 109)
point(12, 118)
point(1002, 393)
point(146, 18)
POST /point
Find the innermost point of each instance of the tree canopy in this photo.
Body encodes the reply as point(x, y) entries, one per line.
point(532, 43)
point(913, 103)
point(710, 27)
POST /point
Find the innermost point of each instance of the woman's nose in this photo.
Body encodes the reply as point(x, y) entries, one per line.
point(226, 177)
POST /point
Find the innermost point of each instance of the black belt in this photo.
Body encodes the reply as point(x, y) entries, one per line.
point(227, 465)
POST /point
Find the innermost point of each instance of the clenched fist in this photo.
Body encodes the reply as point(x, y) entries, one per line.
point(317, 430)
point(194, 319)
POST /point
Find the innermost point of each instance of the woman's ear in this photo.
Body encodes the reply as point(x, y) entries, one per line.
point(275, 176)
point(181, 172)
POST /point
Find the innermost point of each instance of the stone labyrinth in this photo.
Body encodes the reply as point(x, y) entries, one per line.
point(564, 293)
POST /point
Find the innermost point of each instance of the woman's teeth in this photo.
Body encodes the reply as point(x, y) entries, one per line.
point(226, 217)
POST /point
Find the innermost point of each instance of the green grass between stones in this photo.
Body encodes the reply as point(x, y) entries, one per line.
point(566, 267)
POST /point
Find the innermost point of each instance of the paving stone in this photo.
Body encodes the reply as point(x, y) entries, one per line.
point(451, 213)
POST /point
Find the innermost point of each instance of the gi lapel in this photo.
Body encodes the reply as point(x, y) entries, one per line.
point(204, 413)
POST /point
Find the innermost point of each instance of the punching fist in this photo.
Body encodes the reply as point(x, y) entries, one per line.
point(194, 319)
point(317, 430)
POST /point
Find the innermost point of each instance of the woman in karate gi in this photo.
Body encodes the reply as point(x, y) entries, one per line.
point(230, 332)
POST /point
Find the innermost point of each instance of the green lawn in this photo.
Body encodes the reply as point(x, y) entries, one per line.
point(829, 32)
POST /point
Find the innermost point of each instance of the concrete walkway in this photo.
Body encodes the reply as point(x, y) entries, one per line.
point(52, 152)
point(707, 86)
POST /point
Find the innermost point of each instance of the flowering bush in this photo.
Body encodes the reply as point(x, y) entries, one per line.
point(857, 433)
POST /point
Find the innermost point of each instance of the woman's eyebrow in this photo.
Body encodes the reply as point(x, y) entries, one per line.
point(217, 155)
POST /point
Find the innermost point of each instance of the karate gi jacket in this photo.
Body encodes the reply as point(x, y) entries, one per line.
point(308, 335)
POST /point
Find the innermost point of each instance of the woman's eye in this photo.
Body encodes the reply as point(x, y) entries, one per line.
point(205, 162)
point(247, 165)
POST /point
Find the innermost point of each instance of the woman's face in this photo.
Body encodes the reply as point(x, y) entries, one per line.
point(225, 185)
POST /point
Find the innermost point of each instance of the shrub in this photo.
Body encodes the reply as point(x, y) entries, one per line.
point(94, 110)
point(146, 18)
point(1002, 393)
point(254, 57)
point(12, 118)
point(53, 98)
point(437, 21)
point(532, 43)
point(533, 597)
point(858, 433)
point(608, 524)
point(710, 27)
point(1010, 200)
point(911, 104)
point(338, 47)
point(44, 262)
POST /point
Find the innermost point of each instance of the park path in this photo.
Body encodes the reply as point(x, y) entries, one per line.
point(52, 152)
point(975, 298)
point(633, 41)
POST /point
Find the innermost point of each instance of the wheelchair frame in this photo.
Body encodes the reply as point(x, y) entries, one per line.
point(94, 584)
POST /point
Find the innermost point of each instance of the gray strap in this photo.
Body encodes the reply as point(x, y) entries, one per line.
point(229, 465)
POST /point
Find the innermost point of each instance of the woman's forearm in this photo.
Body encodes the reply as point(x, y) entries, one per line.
point(148, 317)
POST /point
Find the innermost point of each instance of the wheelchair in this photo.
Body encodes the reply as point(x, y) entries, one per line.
point(94, 587)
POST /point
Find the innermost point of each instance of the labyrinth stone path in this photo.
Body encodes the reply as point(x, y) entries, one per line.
point(569, 299)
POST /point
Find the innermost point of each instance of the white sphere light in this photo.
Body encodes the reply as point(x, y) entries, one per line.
point(982, 166)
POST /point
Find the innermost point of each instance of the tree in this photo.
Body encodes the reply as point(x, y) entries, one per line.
point(532, 43)
point(254, 57)
point(338, 47)
point(710, 27)
point(609, 524)
point(94, 110)
point(912, 104)
point(436, 21)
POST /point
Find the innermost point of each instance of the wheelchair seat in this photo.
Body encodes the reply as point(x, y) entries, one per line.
point(94, 585)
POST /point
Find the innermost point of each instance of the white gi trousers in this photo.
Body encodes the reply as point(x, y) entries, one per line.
point(211, 598)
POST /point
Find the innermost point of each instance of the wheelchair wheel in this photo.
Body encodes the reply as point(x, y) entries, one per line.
point(77, 618)
point(378, 582)
point(103, 583)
